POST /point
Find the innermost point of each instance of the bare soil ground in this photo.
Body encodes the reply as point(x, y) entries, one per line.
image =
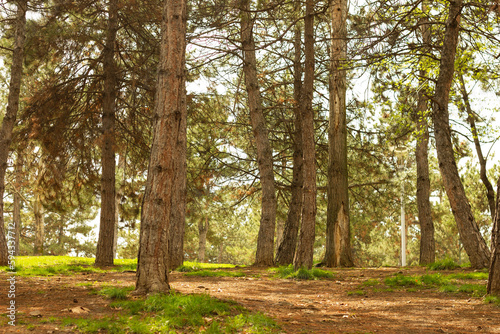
point(321, 306)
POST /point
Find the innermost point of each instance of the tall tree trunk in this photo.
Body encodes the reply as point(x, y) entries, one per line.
point(265, 240)
point(473, 242)
point(493, 287)
point(16, 217)
point(104, 254)
point(118, 198)
point(203, 226)
point(39, 225)
point(305, 248)
point(490, 192)
point(165, 194)
point(427, 241)
point(9, 120)
point(338, 229)
point(286, 248)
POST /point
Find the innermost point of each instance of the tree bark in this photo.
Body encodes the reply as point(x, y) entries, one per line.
point(39, 225)
point(305, 247)
point(165, 195)
point(104, 254)
point(10, 117)
point(16, 217)
point(493, 287)
point(265, 240)
point(473, 242)
point(338, 229)
point(427, 241)
point(288, 244)
point(490, 192)
point(202, 241)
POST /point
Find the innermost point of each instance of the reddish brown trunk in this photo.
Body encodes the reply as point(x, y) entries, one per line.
point(286, 248)
point(167, 165)
point(265, 239)
point(493, 287)
point(338, 229)
point(305, 247)
point(105, 243)
point(473, 242)
point(9, 119)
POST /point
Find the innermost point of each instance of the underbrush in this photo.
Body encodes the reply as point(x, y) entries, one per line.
point(215, 273)
point(301, 274)
point(173, 313)
point(188, 266)
point(64, 265)
point(471, 284)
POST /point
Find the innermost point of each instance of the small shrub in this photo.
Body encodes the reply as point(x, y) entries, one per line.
point(446, 264)
point(115, 293)
point(304, 274)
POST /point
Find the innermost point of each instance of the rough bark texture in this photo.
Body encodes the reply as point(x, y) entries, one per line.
point(305, 247)
point(105, 243)
point(167, 165)
point(16, 217)
point(203, 226)
point(490, 192)
point(473, 242)
point(338, 230)
point(493, 287)
point(10, 117)
point(286, 248)
point(265, 240)
point(427, 241)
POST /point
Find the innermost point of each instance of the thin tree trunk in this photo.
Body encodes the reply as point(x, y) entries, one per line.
point(305, 248)
point(286, 248)
point(104, 254)
point(16, 217)
point(493, 287)
point(39, 225)
point(203, 226)
point(265, 240)
point(427, 242)
point(490, 192)
point(338, 229)
point(473, 242)
point(118, 197)
point(165, 195)
point(9, 119)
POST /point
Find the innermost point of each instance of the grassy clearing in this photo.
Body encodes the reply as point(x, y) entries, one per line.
point(64, 265)
point(215, 273)
point(174, 313)
point(197, 266)
point(302, 274)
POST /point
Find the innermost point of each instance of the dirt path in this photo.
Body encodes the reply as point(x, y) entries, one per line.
point(338, 305)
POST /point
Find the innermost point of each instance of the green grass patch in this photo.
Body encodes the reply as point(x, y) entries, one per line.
point(470, 276)
point(177, 313)
point(115, 293)
point(356, 293)
point(492, 300)
point(215, 273)
point(371, 282)
point(403, 280)
point(301, 274)
point(446, 264)
point(64, 265)
point(476, 290)
point(188, 266)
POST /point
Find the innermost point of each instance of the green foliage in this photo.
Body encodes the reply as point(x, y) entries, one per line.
point(446, 264)
point(403, 280)
point(301, 274)
point(115, 293)
point(492, 300)
point(188, 266)
point(63, 265)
